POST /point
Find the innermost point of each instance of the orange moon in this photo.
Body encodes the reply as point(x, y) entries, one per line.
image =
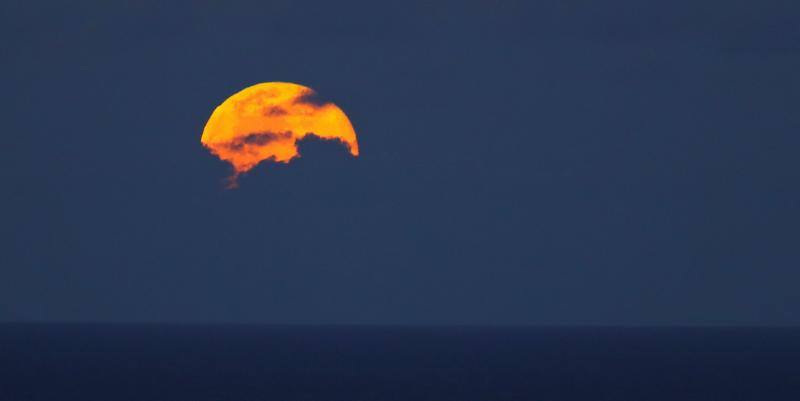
point(265, 121)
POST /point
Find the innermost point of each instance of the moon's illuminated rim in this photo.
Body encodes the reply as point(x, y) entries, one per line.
point(265, 121)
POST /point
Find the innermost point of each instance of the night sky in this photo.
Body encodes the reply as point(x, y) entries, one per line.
point(555, 162)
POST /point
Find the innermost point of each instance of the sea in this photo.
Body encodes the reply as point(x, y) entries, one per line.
point(173, 362)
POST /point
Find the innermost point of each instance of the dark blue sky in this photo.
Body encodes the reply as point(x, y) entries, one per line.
point(563, 162)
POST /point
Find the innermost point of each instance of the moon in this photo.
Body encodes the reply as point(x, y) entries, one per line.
point(265, 121)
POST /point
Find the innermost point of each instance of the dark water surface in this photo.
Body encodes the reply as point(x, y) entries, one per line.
point(284, 363)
